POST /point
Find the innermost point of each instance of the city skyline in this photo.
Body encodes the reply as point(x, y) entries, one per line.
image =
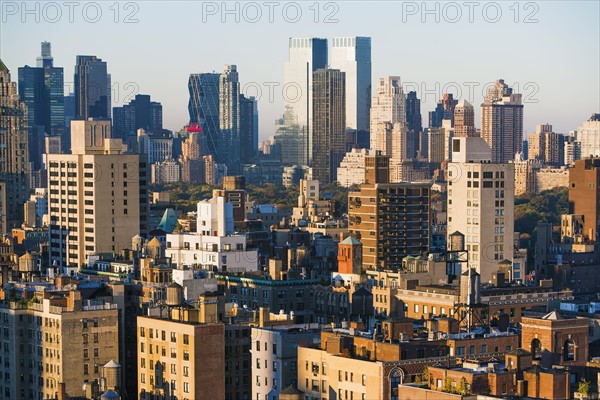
point(521, 71)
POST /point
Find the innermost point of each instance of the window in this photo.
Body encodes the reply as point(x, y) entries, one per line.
point(569, 350)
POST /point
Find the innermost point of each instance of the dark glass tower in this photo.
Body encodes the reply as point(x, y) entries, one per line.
point(329, 123)
point(436, 116)
point(92, 88)
point(203, 107)
point(41, 88)
point(248, 128)
point(140, 113)
point(413, 123)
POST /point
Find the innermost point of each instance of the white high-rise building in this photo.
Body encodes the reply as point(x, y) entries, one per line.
point(352, 55)
point(214, 245)
point(481, 204)
point(588, 135)
point(388, 105)
point(306, 55)
point(388, 123)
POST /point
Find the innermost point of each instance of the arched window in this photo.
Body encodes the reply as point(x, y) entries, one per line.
point(569, 350)
point(536, 349)
point(396, 378)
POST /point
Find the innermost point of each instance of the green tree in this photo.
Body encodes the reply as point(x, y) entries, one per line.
point(584, 387)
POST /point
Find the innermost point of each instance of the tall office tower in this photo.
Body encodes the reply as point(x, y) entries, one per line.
point(229, 120)
point(194, 358)
point(464, 120)
point(436, 145)
point(502, 122)
point(41, 88)
point(14, 153)
point(388, 105)
point(391, 220)
point(306, 55)
point(248, 129)
point(92, 88)
point(436, 116)
point(572, 150)
point(329, 123)
point(546, 146)
point(588, 135)
point(69, 102)
point(481, 204)
point(203, 108)
point(413, 112)
point(413, 123)
point(352, 55)
point(449, 103)
point(97, 195)
point(140, 113)
point(289, 138)
point(584, 195)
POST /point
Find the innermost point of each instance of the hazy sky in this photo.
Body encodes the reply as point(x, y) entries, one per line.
point(548, 50)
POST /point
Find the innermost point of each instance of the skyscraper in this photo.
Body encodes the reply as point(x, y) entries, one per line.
point(41, 88)
point(329, 123)
point(481, 204)
point(388, 123)
point(140, 113)
point(14, 153)
point(352, 55)
point(413, 112)
point(69, 102)
point(464, 120)
point(203, 107)
point(413, 123)
point(229, 119)
point(248, 128)
point(388, 105)
point(436, 116)
point(92, 88)
point(306, 55)
point(449, 103)
point(502, 122)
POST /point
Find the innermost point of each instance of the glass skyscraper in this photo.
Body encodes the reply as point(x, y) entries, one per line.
point(92, 88)
point(140, 113)
point(41, 88)
point(306, 55)
point(203, 108)
point(352, 55)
